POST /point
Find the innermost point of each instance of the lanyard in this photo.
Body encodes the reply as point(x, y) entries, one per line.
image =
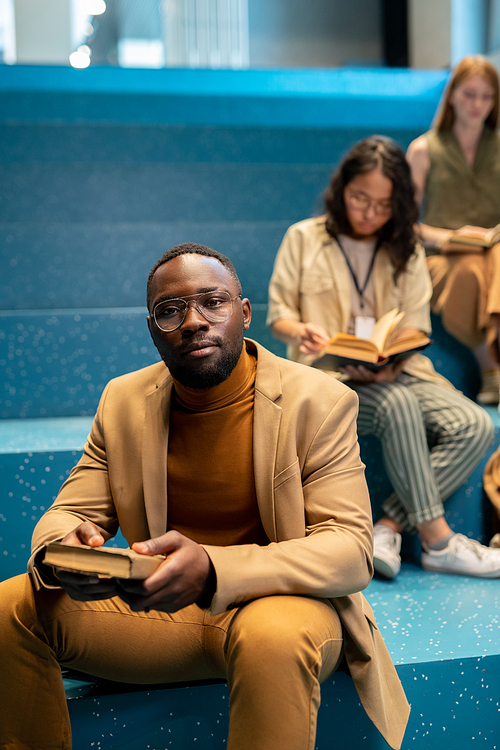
point(360, 290)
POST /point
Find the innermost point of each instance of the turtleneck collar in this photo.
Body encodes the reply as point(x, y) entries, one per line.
point(209, 399)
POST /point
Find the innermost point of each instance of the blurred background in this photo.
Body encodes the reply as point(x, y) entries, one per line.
point(241, 34)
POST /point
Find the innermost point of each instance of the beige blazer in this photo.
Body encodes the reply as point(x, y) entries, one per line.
point(311, 283)
point(311, 493)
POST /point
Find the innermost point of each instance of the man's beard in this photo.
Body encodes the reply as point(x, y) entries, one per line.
point(212, 375)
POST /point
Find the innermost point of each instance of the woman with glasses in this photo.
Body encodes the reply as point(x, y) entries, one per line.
point(456, 171)
point(341, 272)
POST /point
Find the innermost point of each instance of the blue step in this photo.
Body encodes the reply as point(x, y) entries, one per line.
point(106, 265)
point(110, 193)
point(134, 145)
point(441, 631)
point(318, 98)
point(56, 363)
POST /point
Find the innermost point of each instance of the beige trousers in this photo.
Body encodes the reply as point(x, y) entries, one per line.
point(466, 291)
point(274, 653)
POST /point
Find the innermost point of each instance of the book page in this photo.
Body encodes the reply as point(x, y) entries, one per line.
point(384, 327)
point(407, 343)
point(348, 342)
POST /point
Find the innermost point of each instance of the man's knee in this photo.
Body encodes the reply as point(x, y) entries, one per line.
point(17, 609)
point(278, 629)
point(16, 597)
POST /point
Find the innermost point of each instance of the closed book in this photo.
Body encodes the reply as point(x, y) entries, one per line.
point(104, 561)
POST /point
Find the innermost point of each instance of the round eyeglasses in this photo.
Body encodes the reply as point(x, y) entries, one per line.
point(362, 203)
point(214, 306)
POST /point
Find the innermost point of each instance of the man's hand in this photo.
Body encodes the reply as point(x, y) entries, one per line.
point(78, 586)
point(184, 577)
point(87, 533)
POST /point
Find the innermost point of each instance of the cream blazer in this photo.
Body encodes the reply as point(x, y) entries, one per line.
point(311, 283)
point(311, 494)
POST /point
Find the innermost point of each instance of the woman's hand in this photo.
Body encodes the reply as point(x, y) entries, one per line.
point(309, 337)
point(468, 230)
point(362, 374)
point(312, 338)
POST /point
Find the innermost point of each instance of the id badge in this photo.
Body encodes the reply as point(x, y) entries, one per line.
point(363, 326)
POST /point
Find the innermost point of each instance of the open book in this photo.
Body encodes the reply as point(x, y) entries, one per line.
point(374, 353)
point(104, 561)
point(472, 242)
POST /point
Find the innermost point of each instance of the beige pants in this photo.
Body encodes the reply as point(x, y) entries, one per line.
point(274, 653)
point(466, 291)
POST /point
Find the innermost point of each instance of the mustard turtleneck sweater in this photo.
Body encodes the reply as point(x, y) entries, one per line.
point(210, 479)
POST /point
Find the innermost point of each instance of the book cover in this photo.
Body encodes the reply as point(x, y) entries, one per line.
point(104, 561)
point(333, 362)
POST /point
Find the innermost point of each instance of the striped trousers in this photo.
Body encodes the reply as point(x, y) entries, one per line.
point(432, 438)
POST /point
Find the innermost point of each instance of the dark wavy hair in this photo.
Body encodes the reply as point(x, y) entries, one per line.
point(397, 234)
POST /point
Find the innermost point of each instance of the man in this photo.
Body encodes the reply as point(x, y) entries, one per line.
point(267, 534)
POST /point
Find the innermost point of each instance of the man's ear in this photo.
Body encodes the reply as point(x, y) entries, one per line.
point(247, 313)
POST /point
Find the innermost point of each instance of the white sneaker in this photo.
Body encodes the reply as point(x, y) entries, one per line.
point(386, 549)
point(463, 557)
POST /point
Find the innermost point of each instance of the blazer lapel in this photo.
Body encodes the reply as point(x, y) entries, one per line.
point(266, 426)
point(154, 455)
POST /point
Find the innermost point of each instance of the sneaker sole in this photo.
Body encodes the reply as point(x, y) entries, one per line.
point(384, 568)
point(455, 572)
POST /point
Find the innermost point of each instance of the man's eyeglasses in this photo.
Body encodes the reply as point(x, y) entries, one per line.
point(362, 203)
point(214, 306)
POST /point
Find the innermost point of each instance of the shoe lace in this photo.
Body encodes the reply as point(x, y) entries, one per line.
point(459, 540)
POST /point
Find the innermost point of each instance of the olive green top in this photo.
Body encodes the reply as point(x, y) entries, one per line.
point(457, 193)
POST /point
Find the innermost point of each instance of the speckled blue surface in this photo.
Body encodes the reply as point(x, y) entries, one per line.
point(56, 363)
point(40, 435)
point(426, 616)
point(442, 632)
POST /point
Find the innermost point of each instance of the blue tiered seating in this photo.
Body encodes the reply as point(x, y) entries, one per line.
point(105, 170)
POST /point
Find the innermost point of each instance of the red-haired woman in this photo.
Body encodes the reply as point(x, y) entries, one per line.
point(456, 171)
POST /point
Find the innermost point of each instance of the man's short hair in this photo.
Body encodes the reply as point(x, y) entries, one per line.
point(190, 248)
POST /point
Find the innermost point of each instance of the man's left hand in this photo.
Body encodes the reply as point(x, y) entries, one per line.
point(181, 580)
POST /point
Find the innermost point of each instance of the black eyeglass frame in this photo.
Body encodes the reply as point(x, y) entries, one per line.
point(194, 298)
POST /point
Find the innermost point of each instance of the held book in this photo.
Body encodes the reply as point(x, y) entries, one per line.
point(104, 561)
point(374, 353)
point(472, 242)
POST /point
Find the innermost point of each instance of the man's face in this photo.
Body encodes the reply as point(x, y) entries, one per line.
point(200, 353)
